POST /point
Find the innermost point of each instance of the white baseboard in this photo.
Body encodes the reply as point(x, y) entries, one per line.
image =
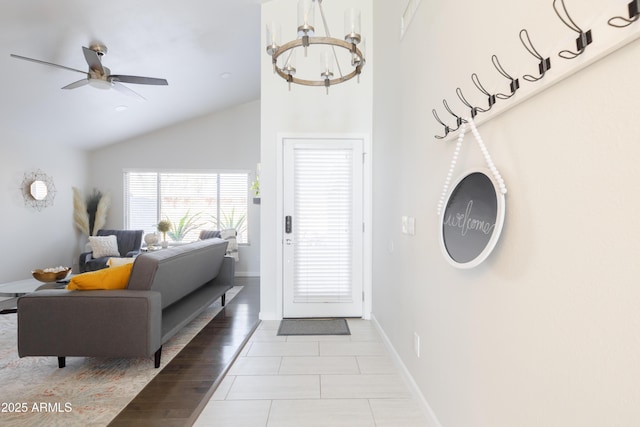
point(247, 274)
point(406, 375)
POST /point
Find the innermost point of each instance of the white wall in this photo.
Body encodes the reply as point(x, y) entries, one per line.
point(303, 110)
point(37, 239)
point(545, 332)
point(225, 140)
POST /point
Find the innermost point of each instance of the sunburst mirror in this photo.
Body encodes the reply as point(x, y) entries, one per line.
point(38, 190)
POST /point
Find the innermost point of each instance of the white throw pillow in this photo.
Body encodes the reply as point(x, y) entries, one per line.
point(102, 246)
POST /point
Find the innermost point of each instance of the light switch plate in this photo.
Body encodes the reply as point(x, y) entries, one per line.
point(408, 225)
point(411, 226)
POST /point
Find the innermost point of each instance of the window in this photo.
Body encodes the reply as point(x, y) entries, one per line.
point(191, 201)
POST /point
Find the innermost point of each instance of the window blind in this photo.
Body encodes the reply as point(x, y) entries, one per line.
point(192, 201)
point(322, 224)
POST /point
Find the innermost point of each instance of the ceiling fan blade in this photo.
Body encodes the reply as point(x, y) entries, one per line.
point(138, 80)
point(77, 84)
point(92, 58)
point(125, 90)
point(48, 63)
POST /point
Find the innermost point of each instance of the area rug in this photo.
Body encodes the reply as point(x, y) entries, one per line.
point(88, 391)
point(314, 327)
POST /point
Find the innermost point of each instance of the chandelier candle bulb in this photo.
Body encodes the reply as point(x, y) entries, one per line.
point(326, 67)
point(352, 25)
point(306, 18)
point(274, 32)
point(326, 64)
point(289, 67)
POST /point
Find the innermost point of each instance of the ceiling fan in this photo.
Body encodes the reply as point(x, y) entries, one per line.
point(100, 76)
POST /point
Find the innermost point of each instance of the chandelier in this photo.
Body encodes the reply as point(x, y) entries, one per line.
point(333, 51)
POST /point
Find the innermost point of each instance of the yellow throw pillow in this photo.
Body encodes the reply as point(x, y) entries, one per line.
point(107, 278)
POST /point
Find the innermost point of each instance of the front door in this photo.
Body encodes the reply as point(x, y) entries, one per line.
point(323, 228)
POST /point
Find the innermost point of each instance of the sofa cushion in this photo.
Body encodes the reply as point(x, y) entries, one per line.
point(104, 246)
point(107, 278)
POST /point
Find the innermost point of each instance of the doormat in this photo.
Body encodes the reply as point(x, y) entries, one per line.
point(314, 327)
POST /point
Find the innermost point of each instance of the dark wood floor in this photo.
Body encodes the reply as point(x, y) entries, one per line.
point(177, 395)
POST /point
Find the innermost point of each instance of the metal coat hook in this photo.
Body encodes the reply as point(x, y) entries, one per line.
point(474, 110)
point(545, 63)
point(447, 129)
point(634, 14)
point(459, 120)
point(584, 38)
point(491, 97)
point(515, 83)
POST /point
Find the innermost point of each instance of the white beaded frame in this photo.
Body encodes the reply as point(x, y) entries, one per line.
point(487, 157)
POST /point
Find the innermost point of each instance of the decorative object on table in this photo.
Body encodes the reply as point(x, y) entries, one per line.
point(164, 226)
point(91, 215)
point(38, 190)
point(472, 213)
point(51, 274)
point(283, 56)
point(151, 239)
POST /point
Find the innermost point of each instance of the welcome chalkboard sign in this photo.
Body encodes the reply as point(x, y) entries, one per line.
point(472, 219)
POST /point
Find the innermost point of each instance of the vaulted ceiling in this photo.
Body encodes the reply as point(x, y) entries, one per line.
point(208, 50)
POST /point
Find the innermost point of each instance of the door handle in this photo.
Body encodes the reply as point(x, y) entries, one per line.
point(288, 227)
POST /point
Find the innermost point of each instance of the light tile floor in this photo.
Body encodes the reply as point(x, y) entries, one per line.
point(308, 381)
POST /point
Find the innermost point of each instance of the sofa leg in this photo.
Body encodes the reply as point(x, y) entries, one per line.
point(223, 299)
point(156, 358)
point(62, 362)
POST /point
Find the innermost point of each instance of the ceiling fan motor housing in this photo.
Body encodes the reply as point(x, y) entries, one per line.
point(100, 49)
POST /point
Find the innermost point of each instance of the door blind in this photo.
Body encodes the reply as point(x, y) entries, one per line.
point(322, 224)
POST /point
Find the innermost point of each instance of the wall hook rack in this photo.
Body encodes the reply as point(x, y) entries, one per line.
point(584, 38)
point(634, 14)
point(490, 97)
point(514, 84)
point(608, 41)
point(545, 63)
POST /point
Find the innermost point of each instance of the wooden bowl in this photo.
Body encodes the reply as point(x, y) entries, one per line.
point(50, 276)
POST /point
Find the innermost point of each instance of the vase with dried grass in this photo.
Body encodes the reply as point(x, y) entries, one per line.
point(91, 215)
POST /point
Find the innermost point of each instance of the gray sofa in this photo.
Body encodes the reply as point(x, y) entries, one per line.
point(166, 290)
